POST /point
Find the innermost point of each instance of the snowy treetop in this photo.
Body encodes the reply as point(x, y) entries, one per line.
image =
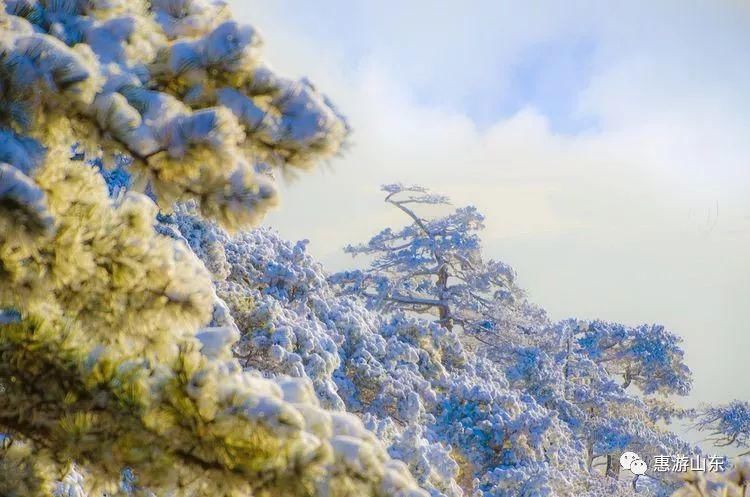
point(179, 86)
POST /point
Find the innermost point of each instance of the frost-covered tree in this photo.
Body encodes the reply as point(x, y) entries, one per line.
point(621, 378)
point(647, 356)
point(611, 384)
point(607, 383)
point(176, 85)
point(444, 411)
point(114, 346)
point(434, 266)
point(727, 425)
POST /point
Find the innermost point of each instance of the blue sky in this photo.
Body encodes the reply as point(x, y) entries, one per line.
point(489, 59)
point(548, 72)
point(607, 143)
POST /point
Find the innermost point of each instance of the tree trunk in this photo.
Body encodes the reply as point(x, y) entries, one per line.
point(627, 378)
point(566, 369)
point(613, 466)
point(443, 310)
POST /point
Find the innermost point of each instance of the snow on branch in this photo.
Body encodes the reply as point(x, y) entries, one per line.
point(179, 86)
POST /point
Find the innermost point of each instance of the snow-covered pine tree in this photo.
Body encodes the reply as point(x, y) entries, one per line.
point(434, 267)
point(463, 425)
point(177, 85)
point(727, 425)
point(607, 382)
point(445, 411)
point(617, 382)
point(106, 359)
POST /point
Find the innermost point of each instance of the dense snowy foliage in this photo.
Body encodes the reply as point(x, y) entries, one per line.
point(728, 425)
point(106, 356)
point(177, 85)
point(537, 414)
point(164, 348)
point(605, 383)
point(446, 412)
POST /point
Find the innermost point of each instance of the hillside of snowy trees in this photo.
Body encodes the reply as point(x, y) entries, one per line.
point(155, 341)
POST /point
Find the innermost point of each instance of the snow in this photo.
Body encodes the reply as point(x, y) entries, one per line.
point(426, 372)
